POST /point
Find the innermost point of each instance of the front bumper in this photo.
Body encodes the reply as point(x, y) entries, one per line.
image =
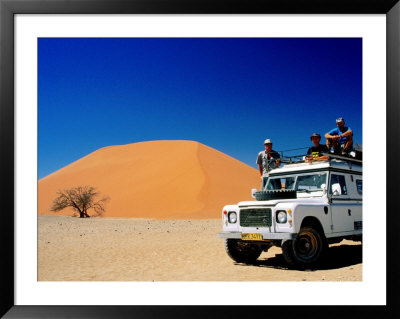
point(266, 236)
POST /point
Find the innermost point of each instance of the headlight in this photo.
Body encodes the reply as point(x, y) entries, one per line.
point(281, 216)
point(232, 217)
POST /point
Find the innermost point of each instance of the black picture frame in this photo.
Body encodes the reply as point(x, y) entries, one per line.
point(8, 8)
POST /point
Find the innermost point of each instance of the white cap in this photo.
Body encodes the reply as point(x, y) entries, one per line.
point(267, 141)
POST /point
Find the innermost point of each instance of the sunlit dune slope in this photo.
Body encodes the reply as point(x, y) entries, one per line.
point(157, 179)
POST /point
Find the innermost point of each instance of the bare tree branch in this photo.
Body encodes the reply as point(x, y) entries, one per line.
point(80, 199)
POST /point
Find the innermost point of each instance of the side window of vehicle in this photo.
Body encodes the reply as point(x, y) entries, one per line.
point(359, 186)
point(338, 184)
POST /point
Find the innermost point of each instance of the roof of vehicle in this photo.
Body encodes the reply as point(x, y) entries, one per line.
point(332, 164)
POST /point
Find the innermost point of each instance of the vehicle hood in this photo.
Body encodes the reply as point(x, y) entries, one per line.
point(273, 202)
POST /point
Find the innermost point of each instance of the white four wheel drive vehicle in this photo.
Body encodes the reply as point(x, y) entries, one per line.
point(302, 208)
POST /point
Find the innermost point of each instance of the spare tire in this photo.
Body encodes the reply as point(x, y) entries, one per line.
point(276, 194)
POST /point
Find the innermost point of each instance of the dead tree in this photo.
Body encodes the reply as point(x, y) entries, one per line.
point(80, 199)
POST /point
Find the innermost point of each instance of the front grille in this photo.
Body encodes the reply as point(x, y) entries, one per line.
point(261, 217)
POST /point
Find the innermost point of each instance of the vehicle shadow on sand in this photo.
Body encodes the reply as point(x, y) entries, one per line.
point(336, 257)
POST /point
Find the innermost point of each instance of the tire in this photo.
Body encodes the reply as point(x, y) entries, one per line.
point(306, 249)
point(242, 252)
point(275, 194)
point(287, 252)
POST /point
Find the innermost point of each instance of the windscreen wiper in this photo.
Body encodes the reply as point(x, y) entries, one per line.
point(303, 190)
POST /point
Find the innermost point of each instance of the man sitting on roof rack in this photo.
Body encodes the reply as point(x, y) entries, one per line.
point(315, 152)
point(340, 138)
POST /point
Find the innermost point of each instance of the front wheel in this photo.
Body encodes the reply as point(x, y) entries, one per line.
point(242, 252)
point(306, 249)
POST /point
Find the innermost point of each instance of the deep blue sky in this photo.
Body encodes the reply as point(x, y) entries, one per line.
point(229, 94)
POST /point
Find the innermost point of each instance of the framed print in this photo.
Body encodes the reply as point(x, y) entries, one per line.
point(205, 62)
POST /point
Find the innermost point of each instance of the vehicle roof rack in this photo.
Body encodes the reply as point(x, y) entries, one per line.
point(293, 159)
point(343, 158)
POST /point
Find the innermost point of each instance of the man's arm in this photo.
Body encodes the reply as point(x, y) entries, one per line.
point(347, 133)
point(308, 156)
point(320, 157)
point(259, 162)
point(335, 137)
point(277, 156)
point(331, 136)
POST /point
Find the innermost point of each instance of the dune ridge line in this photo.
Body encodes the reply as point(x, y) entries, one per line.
point(157, 179)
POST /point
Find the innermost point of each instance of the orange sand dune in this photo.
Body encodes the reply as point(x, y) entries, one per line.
point(157, 179)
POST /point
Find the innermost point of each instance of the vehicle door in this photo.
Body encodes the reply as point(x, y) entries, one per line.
point(342, 220)
point(355, 188)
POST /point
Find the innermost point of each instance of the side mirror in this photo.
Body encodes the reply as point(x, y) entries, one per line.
point(336, 190)
point(253, 191)
point(323, 186)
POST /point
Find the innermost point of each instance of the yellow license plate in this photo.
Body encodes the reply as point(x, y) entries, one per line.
point(251, 236)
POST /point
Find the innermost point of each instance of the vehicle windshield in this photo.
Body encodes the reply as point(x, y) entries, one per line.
point(301, 183)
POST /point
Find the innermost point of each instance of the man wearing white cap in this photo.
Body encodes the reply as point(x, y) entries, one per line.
point(340, 138)
point(267, 160)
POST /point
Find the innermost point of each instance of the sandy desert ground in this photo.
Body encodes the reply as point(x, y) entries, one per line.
point(131, 249)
